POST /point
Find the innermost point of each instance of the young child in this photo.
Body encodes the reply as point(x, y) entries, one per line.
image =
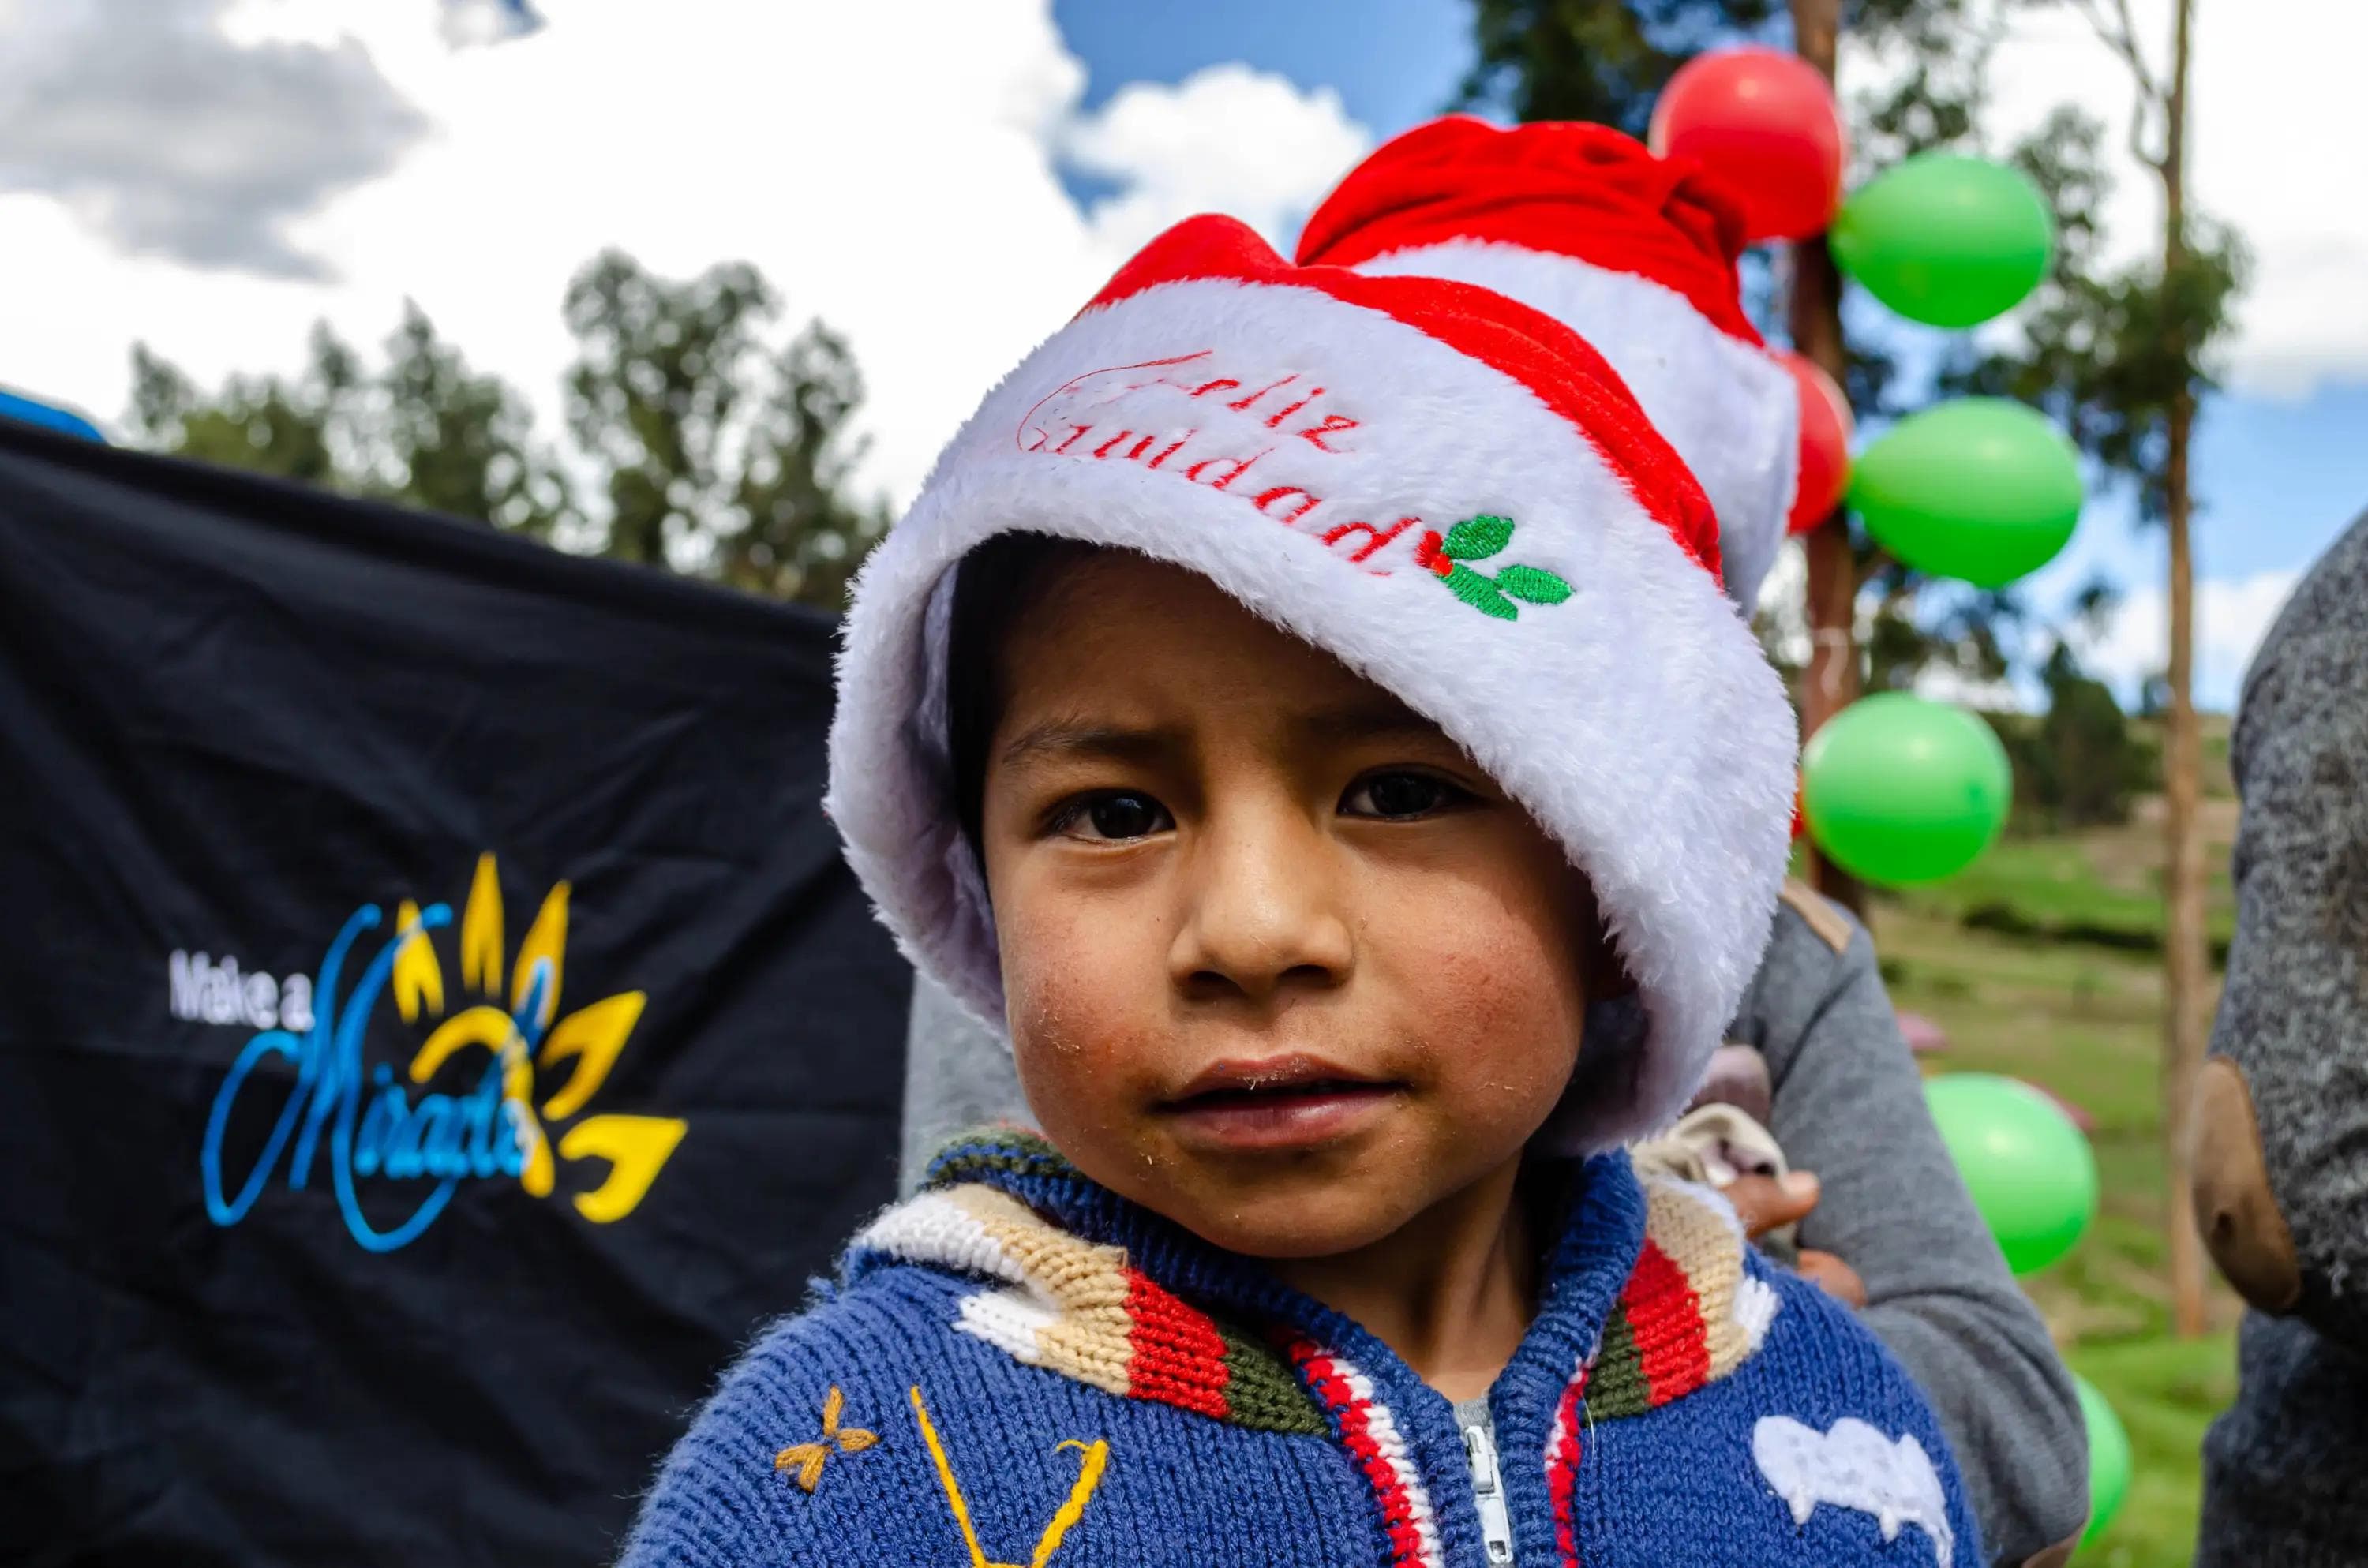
point(1295, 698)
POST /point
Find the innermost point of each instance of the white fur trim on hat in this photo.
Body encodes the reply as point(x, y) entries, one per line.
point(1296, 449)
point(1730, 411)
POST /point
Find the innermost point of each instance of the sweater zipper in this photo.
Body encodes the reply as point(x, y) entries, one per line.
point(1488, 1491)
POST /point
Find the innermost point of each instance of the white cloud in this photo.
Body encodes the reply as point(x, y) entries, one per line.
point(1939, 683)
point(161, 130)
point(2231, 618)
point(1247, 142)
point(924, 219)
point(2275, 150)
point(467, 23)
point(1782, 611)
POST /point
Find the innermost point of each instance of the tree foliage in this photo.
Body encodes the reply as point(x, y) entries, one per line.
point(2106, 353)
point(1606, 60)
point(424, 430)
point(723, 456)
point(1596, 60)
point(275, 425)
point(2082, 763)
point(695, 443)
point(452, 441)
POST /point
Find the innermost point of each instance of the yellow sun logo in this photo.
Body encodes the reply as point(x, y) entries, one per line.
point(552, 1064)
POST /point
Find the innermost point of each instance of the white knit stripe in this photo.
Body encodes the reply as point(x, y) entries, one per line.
point(1728, 408)
point(934, 1228)
point(1382, 1427)
point(1010, 1319)
point(1755, 1308)
point(1638, 720)
point(1559, 1431)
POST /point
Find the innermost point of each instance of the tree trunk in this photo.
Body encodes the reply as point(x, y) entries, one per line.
point(2185, 946)
point(1830, 684)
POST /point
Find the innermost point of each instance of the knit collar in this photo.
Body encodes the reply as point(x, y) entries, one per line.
point(1649, 1294)
point(1594, 1256)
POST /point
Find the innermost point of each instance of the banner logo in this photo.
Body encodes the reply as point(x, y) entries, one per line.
point(494, 1090)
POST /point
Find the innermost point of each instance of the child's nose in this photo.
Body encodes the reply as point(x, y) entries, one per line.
point(1263, 914)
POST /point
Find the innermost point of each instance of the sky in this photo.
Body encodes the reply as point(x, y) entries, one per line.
point(945, 180)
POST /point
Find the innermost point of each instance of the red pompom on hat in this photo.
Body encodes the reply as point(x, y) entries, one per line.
point(1449, 492)
point(1635, 253)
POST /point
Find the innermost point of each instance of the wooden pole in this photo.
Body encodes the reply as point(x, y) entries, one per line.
point(2186, 951)
point(1830, 683)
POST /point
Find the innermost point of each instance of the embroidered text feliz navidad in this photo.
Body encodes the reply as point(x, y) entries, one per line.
point(1117, 415)
point(1099, 417)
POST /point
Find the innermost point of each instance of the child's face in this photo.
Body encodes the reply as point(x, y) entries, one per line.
point(1281, 964)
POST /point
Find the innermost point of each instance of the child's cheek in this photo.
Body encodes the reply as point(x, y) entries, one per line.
point(1501, 999)
point(1076, 994)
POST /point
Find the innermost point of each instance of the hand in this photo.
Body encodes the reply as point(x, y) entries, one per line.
point(1766, 1203)
point(1834, 1277)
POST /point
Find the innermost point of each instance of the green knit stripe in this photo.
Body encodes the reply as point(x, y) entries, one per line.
point(1263, 1393)
point(1009, 1150)
point(1618, 1386)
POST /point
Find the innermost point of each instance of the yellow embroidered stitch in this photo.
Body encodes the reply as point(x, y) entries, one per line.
point(808, 1459)
point(1090, 1476)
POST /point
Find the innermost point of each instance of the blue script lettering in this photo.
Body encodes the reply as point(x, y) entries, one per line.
point(443, 1138)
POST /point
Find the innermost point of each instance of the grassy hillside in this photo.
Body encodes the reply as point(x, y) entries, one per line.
point(2037, 962)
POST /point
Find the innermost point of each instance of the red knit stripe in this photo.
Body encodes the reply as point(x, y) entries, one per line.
point(1673, 1344)
point(1584, 191)
point(1561, 1470)
point(1333, 1389)
point(1175, 1355)
point(1558, 366)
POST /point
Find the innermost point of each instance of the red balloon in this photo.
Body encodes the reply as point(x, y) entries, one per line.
point(1765, 120)
point(1825, 428)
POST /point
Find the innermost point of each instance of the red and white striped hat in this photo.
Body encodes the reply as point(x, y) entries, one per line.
point(1449, 492)
point(1635, 253)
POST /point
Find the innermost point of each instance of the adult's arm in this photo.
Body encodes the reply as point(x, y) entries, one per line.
point(957, 1076)
point(1849, 1106)
point(2281, 1109)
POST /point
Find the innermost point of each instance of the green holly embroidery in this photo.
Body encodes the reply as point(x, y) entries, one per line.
point(1478, 539)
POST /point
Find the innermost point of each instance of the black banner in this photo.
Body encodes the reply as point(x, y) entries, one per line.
point(437, 1026)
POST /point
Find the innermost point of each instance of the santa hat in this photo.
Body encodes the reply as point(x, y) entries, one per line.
point(1635, 253)
point(1450, 492)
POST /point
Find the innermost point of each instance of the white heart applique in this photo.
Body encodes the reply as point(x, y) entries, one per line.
point(1855, 1466)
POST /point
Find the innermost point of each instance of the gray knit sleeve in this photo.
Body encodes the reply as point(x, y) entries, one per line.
point(958, 1075)
point(2293, 1018)
point(1849, 1106)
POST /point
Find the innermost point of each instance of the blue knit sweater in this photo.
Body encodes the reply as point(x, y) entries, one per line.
point(1018, 1367)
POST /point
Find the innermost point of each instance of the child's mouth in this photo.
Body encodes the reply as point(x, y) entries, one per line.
point(1278, 1103)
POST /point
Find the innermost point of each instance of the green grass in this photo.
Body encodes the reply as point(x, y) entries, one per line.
point(2106, 881)
point(2166, 1391)
point(2085, 1022)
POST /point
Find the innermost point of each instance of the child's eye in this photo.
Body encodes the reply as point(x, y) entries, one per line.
point(1400, 795)
point(1115, 817)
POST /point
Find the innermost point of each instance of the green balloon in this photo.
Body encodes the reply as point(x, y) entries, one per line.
point(2032, 1174)
point(1946, 240)
point(1899, 790)
point(1978, 488)
point(2109, 1459)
